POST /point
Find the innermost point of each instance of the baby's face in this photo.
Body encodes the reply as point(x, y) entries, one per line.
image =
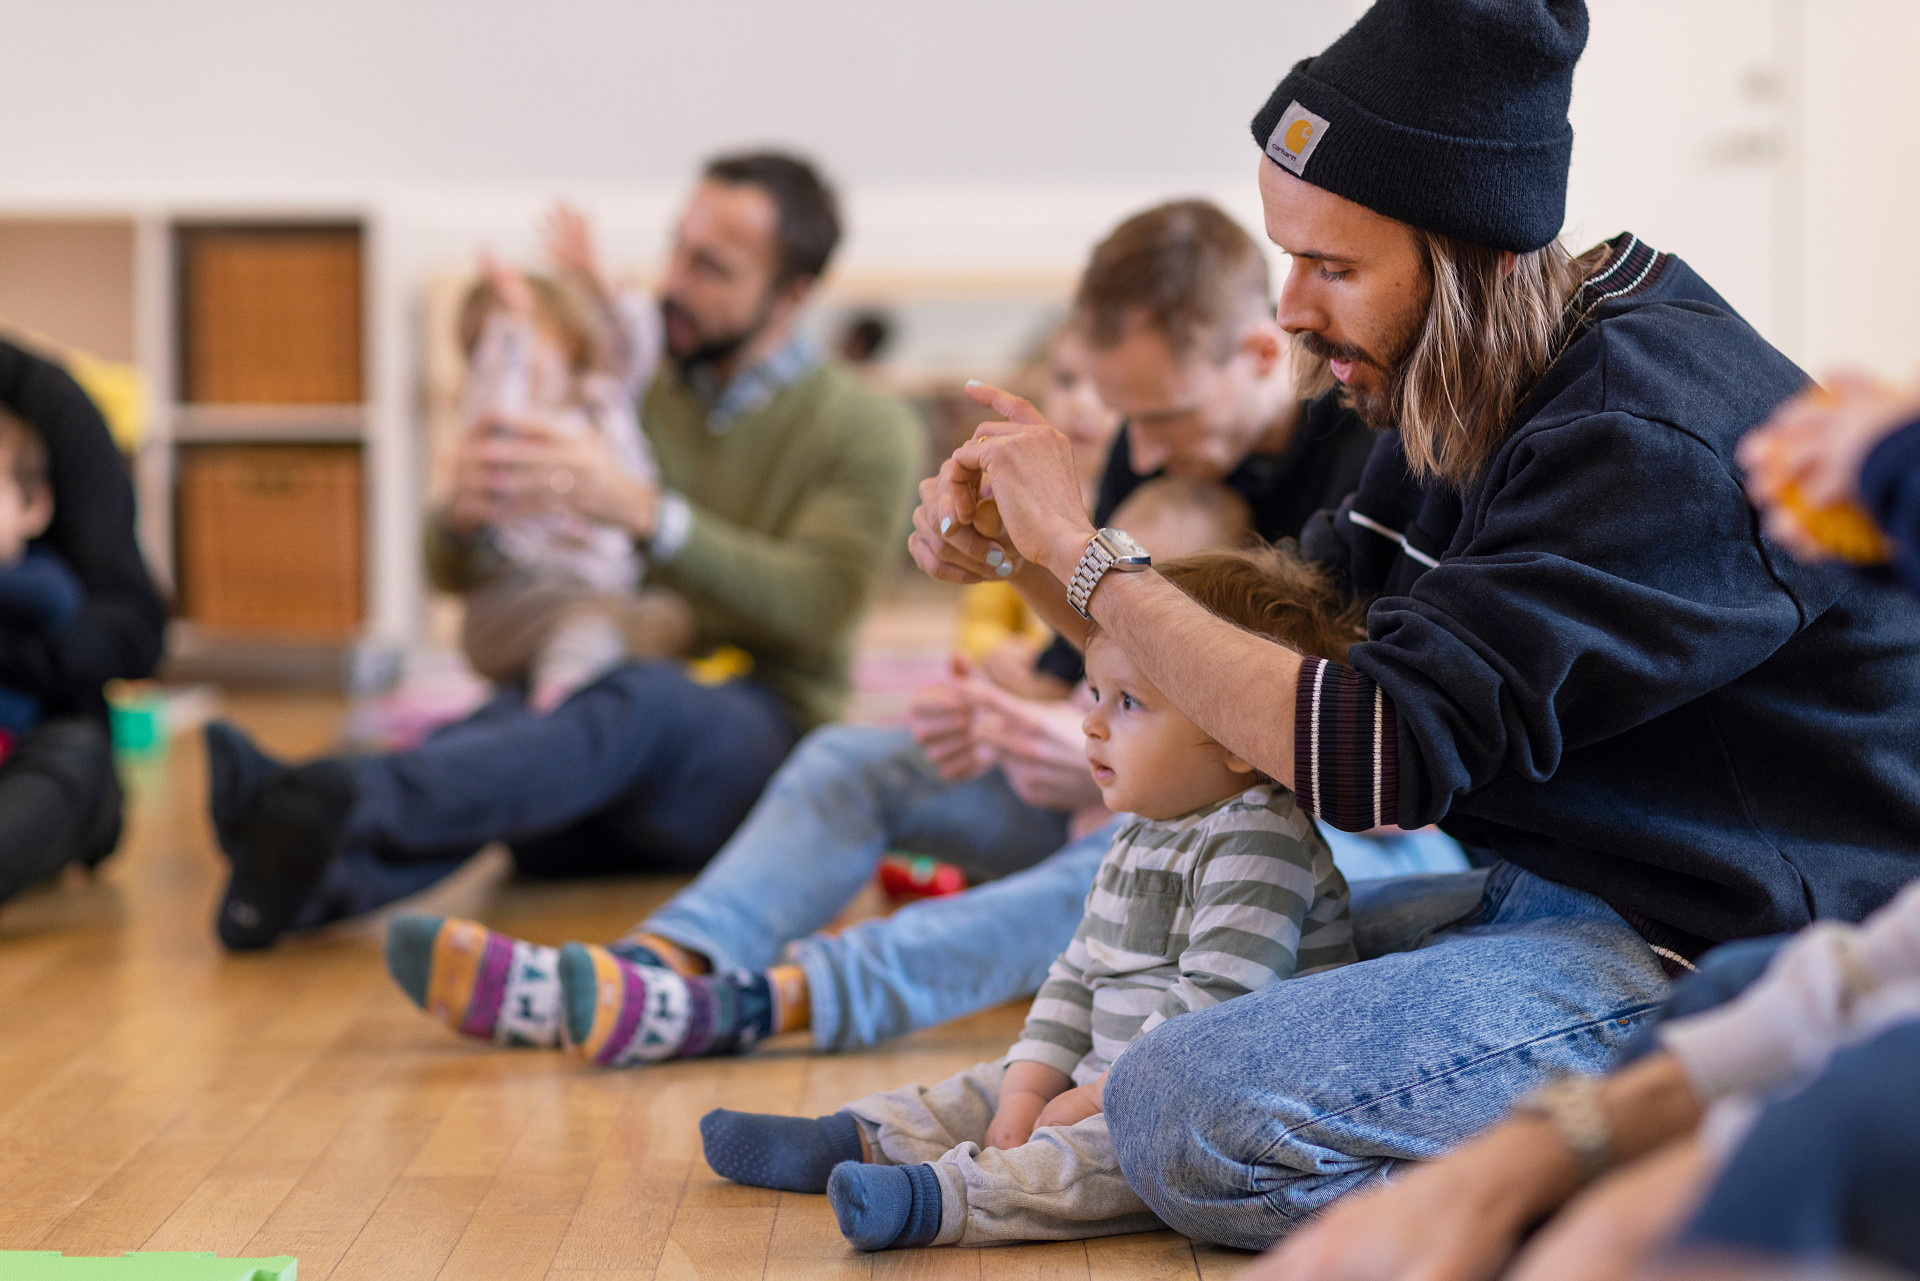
point(1147, 757)
point(21, 521)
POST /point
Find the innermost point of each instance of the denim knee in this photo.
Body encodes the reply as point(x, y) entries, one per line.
point(1166, 1113)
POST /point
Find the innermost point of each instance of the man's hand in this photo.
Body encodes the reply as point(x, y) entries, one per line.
point(965, 529)
point(1024, 468)
point(475, 501)
point(1025, 1091)
point(1612, 1231)
point(1456, 1219)
point(533, 467)
point(1075, 1105)
point(1817, 443)
point(942, 720)
point(1041, 746)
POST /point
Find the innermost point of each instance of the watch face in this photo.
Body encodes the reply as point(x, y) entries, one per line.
point(1123, 545)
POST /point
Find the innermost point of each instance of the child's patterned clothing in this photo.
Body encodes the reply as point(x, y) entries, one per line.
point(506, 382)
point(1185, 913)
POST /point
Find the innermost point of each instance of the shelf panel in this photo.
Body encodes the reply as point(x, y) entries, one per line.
point(199, 424)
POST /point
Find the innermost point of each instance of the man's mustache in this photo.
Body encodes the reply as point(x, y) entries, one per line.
point(1315, 345)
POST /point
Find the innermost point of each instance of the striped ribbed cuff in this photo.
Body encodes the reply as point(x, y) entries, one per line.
point(1346, 758)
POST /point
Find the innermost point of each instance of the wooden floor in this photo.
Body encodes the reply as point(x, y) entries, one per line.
point(156, 1094)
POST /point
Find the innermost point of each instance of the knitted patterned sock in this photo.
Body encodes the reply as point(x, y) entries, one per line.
point(619, 1014)
point(477, 982)
point(885, 1207)
point(643, 948)
point(792, 1153)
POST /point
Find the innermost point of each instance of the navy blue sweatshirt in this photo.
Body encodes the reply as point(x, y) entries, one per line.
point(1890, 485)
point(1591, 663)
point(121, 624)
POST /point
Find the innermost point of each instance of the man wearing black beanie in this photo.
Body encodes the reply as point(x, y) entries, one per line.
point(1584, 659)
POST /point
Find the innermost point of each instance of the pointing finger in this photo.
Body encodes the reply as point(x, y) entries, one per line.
point(1009, 406)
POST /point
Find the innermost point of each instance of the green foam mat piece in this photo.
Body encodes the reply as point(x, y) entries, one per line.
point(51, 1265)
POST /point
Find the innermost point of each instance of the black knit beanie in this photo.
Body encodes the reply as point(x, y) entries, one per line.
point(1450, 115)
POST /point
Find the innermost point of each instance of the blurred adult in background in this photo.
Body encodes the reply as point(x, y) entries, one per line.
point(1174, 309)
point(59, 799)
point(782, 486)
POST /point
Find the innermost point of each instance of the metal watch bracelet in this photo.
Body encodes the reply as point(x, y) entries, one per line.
point(1107, 549)
point(1572, 1105)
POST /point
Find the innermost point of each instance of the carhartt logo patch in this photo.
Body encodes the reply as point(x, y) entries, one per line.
point(1294, 138)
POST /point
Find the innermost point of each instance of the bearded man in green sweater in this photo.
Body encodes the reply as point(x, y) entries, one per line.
point(783, 493)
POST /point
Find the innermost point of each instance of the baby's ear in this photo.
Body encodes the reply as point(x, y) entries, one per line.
point(38, 513)
point(1238, 766)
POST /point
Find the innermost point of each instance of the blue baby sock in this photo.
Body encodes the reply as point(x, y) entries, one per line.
point(885, 1207)
point(792, 1153)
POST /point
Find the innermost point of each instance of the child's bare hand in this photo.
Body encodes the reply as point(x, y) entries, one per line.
point(1014, 1121)
point(569, 241)
point(1073, 1107)
point(1024, 1093)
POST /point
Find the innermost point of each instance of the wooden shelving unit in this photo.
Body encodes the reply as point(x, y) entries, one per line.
point(254, 331)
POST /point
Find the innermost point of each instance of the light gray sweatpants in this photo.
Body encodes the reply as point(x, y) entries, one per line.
point(1061, 1185)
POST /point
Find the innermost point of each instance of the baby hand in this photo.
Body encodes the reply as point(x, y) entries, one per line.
point(1071, 1108)
point(1013, 1121)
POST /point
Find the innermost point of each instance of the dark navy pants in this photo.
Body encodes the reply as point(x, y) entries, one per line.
point(643, 771)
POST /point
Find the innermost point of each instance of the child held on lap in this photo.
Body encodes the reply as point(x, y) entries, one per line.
point(38, 592)
point(1218, 885)
point(567, 351)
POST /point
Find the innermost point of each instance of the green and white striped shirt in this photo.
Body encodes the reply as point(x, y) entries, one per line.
point(1185, 913)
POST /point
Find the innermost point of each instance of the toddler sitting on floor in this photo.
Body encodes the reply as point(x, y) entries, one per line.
point(38, 592)
point(1219, 884)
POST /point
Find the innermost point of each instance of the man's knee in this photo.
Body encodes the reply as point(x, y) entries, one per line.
point(1161, 1114)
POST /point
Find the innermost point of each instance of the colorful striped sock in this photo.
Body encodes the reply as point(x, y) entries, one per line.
point(477, 982)
point(621, 1014)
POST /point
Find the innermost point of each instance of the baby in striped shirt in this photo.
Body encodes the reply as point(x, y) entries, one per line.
point(1217, 884)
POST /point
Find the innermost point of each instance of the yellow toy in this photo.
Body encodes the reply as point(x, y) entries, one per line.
point(1844, 529)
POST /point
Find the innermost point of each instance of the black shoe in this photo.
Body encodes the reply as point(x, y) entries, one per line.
point(280, 841)
point(235, 770)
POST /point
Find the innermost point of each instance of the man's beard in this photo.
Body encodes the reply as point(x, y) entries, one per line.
point(1375, 408)
point(711, 352)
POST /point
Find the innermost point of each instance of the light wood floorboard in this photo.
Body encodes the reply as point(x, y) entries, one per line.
point(156, 1094)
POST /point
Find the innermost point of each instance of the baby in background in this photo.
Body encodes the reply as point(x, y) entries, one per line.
point(38, 592)
point(571, 352)
point(1217, 885)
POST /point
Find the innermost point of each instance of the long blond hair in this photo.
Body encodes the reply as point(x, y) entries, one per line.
point(1490, 332)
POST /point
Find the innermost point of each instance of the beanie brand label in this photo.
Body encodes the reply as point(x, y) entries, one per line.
point(1292, 142)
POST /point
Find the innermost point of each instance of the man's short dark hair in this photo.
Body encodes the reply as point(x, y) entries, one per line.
point(809, 213)
point(23, 456)
point(1188, 269)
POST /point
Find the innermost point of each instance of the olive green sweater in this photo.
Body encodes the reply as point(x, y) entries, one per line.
point(799, 509)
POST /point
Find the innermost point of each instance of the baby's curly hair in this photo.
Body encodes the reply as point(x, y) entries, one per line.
point(1271, 591)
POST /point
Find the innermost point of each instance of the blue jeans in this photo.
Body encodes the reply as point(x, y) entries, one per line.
point(644, 770)
point(848, 795)
point(1237, 1123)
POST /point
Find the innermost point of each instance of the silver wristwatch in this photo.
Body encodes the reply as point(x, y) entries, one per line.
point(1108, 549)
point(1572, 1106)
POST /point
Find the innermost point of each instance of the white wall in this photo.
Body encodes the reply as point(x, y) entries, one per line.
point(996, 135)
point(1773, 143)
